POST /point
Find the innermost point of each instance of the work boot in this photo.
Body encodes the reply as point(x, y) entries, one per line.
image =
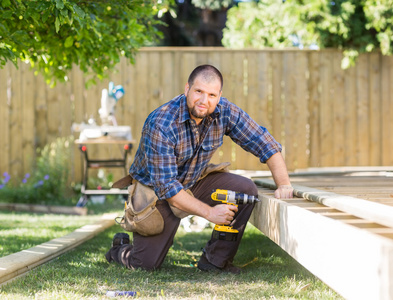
point(206, 266)
point(120, 238)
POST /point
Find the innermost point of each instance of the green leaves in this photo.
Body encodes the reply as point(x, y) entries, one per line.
point(352, 25)
point(54, 35)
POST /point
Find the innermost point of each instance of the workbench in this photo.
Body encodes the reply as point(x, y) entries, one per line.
point(102, 163)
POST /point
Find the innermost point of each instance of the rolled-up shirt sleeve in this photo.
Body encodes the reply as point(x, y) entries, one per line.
point(161, 163)
point(252, 137)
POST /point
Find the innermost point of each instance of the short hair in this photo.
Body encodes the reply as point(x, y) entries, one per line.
point(208, 72)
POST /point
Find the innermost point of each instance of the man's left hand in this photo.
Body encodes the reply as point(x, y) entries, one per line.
point(284, 192)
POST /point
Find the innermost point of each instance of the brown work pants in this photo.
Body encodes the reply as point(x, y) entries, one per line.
point(148, 252)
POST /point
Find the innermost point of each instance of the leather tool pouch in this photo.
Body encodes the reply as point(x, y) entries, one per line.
point(140, 213)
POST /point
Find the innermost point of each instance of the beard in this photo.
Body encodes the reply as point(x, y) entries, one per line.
point(199, 115)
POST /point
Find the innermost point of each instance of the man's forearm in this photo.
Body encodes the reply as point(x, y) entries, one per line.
point(189, 204)
point(219, 214)
point(279, 171)
point(278, 168)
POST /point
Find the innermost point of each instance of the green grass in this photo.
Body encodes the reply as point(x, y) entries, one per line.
point(83, 273)
point(20, 231)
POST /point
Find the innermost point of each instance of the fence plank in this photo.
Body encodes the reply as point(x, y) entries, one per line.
point(314, 108)
point(16, 121)
point(28, 115)
point(301, 110)
point(326, 110)
point(387, 110)
point(290, 112)
point(350, 96)
point(338, 108)
point(375, 109)
point(363, 104)
point(277, 103)
point(5, 120)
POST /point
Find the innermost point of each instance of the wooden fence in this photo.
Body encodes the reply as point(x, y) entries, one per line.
point(323, 115)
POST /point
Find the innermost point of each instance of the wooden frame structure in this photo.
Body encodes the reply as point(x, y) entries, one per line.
point(348, 246)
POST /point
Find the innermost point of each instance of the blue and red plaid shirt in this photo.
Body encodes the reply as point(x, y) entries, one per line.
point(174, 150)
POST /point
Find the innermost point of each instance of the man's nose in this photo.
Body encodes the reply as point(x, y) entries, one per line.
point(203, 98)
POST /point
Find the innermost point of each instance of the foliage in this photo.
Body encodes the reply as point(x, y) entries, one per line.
point(351, 25)
point(268, 23)
point(54, 35)
point(212, 4)
point(48, 181)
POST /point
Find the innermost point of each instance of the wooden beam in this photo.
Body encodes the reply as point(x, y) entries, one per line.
point(17, 264)
point(373, 211)
point(357, 263)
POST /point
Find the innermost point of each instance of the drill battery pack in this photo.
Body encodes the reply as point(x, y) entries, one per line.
point(225, 233)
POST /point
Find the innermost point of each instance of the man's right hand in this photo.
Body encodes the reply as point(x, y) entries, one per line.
point(222, 214)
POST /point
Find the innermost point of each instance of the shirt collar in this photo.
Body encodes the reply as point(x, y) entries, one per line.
point(185, 114)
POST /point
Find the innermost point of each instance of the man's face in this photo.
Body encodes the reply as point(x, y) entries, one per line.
point(202, 97)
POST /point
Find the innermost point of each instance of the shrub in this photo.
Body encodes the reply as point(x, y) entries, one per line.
point(48, 183)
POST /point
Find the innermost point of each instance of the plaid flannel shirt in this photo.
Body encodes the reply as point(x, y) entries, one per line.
point(174, 150)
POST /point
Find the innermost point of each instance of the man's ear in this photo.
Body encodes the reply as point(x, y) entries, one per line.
point(186, 89)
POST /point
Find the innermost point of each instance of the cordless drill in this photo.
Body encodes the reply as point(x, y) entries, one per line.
point(226, 232)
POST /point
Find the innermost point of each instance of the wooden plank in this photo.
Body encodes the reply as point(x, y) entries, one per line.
point(5, 99)
point(256, 93)
point(339, 112)
point(354, 262)
point(54, 112)
point(313, 108)
point(16, 120)
point(277, 110)
point(168, 91)
point(361, 208)
point(28, 113)
point(154, 81)
point(350, 94)
point(302, 114)
point(141, 101)
point(17, 264)
point(326, 110)
point(387, 109)
point(225, 152)
point(290, 109)
point(363, 120)
point(375, 113)
point(78, 109)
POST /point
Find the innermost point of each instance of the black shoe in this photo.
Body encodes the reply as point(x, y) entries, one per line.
point(206, 266)
point(120, 238)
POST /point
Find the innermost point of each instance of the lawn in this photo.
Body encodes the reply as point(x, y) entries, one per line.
point(83, 273)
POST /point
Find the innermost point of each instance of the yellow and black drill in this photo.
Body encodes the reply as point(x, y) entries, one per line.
point(227, 232)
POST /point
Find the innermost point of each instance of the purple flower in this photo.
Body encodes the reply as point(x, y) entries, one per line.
point(46, 177)
point(27, 175)
point(5, 174)
point(24, 180)
point(1, 186)
point(38, 184)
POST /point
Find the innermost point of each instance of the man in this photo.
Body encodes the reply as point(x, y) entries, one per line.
point(178, 140)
